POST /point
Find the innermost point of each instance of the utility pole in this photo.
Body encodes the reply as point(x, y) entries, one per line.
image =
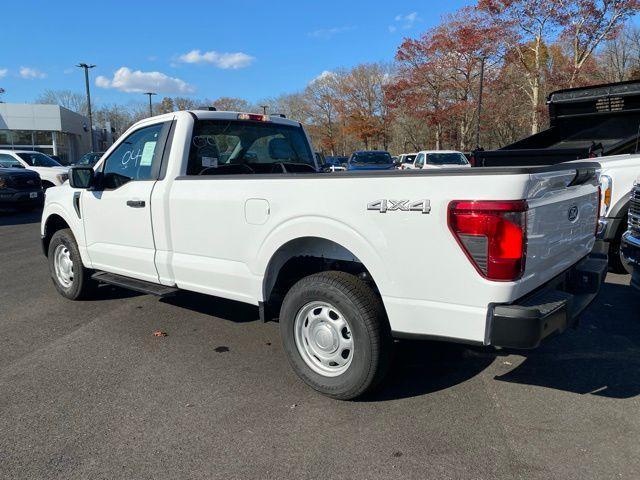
point(150, 105)
point(86, 68)
point(264, 108)
point(482, 60)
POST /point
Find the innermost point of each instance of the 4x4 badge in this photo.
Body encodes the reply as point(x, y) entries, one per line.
point(384, 206)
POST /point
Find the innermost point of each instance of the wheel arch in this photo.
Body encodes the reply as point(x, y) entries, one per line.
point(305, 255)
point(53, 223)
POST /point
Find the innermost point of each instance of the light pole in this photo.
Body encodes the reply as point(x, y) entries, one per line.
point(150, 105)
point(264, 108)
point(86, 68)
point(482, 60)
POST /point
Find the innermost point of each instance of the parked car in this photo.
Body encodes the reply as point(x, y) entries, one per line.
point(370, 160)
point(19, 188)
point(89, 159)
point(337, 164)
point(439, 159)
point(631, 238)
point(405, 161)
point(504, 256)
point(51, 172)
point(617, 177)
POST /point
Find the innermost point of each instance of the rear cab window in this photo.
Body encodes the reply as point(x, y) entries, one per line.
point(224, 147)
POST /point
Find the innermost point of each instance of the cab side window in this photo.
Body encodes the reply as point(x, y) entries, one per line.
point(134, 158)
point(419, 161)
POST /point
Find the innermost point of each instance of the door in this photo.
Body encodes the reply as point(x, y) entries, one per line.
point(117, 215)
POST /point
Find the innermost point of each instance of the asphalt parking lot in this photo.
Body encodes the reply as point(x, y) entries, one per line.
point(87, 391)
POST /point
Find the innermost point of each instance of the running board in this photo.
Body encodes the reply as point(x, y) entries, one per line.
point(134, 284)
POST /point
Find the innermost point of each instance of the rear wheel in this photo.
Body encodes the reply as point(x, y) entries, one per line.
point(335, 334)
point(70, 277)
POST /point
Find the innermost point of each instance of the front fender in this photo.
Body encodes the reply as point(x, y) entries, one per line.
point(61, 205)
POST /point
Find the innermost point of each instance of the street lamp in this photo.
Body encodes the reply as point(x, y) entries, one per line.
point(482, 62)
point(264, 108)
point(150, 106)
point(86, 68)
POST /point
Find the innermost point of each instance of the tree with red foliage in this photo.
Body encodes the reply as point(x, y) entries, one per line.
point(438, 73)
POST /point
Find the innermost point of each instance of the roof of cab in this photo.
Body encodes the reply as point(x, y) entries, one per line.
point(229, 115)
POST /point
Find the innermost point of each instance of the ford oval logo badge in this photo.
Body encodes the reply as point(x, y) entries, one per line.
point(573, 213)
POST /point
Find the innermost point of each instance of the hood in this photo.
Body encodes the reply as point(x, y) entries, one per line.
point(55, 170)
point(370, 166)
point(447, 166)
point(17, 171)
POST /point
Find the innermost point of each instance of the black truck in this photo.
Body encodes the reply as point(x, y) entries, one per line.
point(583, 122)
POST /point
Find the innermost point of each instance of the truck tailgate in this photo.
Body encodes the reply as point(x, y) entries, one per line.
point(561, 221)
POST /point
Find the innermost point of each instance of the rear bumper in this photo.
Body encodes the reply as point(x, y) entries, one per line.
point(550, 309)
point(20, 198)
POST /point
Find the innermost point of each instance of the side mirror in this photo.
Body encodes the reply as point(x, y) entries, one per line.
point(81, 177)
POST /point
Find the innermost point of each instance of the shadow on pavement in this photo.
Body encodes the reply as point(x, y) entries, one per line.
point(218, 307)
point(8, 217)
point(601, 357)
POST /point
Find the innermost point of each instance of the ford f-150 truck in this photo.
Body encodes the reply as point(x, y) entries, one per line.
point(233, 205)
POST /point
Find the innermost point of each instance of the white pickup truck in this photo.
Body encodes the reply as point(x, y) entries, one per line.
point(232, 205)
point(617, 176)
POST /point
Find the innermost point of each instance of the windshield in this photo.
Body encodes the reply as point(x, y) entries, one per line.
point(408, 158)
point(371, 157)
point(248, 147)
point(37, 159)
point(447, 159)
point(9, 163)
point(89, 158)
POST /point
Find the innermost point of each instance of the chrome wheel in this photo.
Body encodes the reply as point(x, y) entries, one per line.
point(323, 338)
point(63, 266)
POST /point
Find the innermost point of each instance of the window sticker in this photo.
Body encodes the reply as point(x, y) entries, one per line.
point(147, 154)
point(210, 162)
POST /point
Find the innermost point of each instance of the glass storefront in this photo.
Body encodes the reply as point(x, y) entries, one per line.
point(51, 143)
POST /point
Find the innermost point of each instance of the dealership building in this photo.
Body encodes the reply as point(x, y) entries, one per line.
point(49, 129)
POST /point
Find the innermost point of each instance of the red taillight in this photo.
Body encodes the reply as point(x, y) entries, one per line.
point(253, 116)
point(492, 234)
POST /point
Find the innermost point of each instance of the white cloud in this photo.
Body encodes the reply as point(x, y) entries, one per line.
point(404, 22)
point(31, 73)
point(126, 80)
point(225, 61)
point(327, 33)
point(3, 72)
point(323, 75)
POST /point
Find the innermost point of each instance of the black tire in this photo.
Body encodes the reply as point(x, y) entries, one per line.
point(82, 285)
point(616, 262)
point(363, 310)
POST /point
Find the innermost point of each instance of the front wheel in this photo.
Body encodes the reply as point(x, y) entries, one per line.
point(335, 334)
point(70, 277)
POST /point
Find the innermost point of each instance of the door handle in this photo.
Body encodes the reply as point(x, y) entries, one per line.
point(135, 203)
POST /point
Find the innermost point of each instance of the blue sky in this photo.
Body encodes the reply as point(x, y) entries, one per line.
point(249, 49)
